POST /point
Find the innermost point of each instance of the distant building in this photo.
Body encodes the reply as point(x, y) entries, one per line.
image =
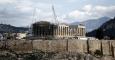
point(21, 35)
point(1, 36)
point(91, 38)
point(45, 29)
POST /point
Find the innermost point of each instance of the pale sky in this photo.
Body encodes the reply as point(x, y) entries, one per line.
point(21, 12)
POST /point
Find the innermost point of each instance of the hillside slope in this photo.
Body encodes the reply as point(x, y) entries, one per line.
point(8, 28)
point(93, 24)
point(105, 31)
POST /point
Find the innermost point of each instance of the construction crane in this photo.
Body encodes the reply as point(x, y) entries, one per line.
point(4, 12)
point(33, 21)
point(54, 14)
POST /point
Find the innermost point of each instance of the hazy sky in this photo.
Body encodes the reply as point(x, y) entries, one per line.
point(21, 12)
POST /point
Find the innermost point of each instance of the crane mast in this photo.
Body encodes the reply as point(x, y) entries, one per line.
point(54, 14)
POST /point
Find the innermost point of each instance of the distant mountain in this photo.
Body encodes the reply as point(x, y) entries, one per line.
point(9, 28)
point(107, 30)
point(93, 23)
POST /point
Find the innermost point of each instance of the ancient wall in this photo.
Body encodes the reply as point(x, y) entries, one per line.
point(107, 47)
point(93, 45)
point(77, 46)
point(17, 46)
point(50, 45)
point(113, 48)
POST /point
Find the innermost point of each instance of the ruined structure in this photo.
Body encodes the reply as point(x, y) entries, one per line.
point(47, 29)
point(56, 30)
point(43, 29)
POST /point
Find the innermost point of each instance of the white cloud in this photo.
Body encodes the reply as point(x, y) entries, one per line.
point(20, 11)
point(7, 1)
point(87, 8)
point(71, 1)
point(89, 12)
point(77, 14)
point(24, 5)
point(24, 8)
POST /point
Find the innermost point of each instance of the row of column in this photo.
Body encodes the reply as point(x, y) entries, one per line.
point(63, 31)
point(81, 31)
point(67, 31)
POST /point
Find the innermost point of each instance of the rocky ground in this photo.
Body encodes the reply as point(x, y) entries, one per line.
point(40, 55)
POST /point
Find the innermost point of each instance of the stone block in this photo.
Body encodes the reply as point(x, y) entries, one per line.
point(94, 45)
point(106, 47)
point(77, 46)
